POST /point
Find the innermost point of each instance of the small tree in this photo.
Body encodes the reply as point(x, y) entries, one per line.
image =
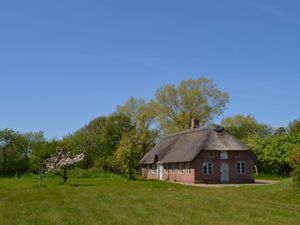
point(126, 158)
point(61, 162)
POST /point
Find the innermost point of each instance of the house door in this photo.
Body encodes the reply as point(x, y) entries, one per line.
point(224, 173)
point(160, 170)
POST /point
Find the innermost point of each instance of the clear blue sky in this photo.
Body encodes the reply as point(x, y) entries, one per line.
point(63, 63)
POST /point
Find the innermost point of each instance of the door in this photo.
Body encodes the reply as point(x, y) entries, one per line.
point(160, 170)
point(224, 173)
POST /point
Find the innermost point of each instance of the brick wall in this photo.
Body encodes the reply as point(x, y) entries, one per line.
point(169, 174)
point(204, 156)
point(196, 174)
point(177, 175)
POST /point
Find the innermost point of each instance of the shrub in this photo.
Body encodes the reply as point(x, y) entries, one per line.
point(295, 159)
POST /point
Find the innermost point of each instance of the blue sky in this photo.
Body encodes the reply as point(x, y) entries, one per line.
point(63, 63)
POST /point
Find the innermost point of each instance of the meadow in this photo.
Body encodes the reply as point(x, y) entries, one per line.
point(111, 199)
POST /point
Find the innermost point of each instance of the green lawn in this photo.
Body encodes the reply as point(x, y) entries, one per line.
point(113, 200)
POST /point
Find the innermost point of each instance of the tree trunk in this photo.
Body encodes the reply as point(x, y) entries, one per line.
point(65, 177)
point(41, 175)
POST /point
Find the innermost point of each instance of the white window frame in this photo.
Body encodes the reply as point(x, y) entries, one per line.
point(188, 168)
point(239, 169)
point(180, 168)
point(237, 154)
point(209, 166)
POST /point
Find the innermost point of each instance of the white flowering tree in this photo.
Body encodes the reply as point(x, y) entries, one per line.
point(62, 161)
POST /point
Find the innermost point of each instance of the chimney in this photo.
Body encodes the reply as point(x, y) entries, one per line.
point(195, 123)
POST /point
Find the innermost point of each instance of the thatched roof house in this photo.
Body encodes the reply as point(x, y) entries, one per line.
point(208, 155)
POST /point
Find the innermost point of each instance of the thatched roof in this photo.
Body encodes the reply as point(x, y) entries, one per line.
point(186, 146)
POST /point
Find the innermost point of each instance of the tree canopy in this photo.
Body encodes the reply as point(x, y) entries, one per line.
point(244, 126)
point(178, 105)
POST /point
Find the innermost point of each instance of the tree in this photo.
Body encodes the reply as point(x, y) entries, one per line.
point(280, 131)
point(127, 156)
point(116, 126)
point(63, 161)
point(14, 156)
point(244, 126)
point(294, 127)
point(41, 151)
point(274, 152)
point(144, 119)
point(178, 105)
point(295, 159)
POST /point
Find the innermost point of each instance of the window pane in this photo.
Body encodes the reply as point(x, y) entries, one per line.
point(205, 168)
point(188, 168)
point(243, 168)
point(210, 168)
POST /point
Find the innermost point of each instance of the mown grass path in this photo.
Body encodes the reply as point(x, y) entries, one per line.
point(113, 200)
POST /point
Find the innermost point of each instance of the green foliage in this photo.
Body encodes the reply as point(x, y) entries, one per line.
point(98, 140)
point(274, 152)
point(88, 140)
point(127, 156)
point(14, 152)
point(200, 99)
point(41, 150)
point(243, 126)
point(294, 127)
point(116, 126)
point(144, 119)
point(295, 159)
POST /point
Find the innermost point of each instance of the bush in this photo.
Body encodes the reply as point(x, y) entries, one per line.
point(295, 159)
point(296, 178)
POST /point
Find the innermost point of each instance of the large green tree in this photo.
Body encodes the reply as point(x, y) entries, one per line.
point(14, 152)
point(144, 120)
point(274, 152)
point(98, 140)
point(178, 105)
point(242, 126)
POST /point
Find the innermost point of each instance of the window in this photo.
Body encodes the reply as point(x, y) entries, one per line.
point(224, 155)
point(188, 168)
point(166, 166)
point(207, 168)
point(173, 168)
point(180, 168)
point(148, 167)
point(240, 167)
point(237, 155)
point(154, 168)
point(210, 155)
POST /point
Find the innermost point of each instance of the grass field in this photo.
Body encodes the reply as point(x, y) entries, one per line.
point(110, 199)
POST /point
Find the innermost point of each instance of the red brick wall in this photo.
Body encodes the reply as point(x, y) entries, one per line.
point(196, 174)
point(149, 174)
point(169, 175)
point(177, 176)
point(232, 160)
